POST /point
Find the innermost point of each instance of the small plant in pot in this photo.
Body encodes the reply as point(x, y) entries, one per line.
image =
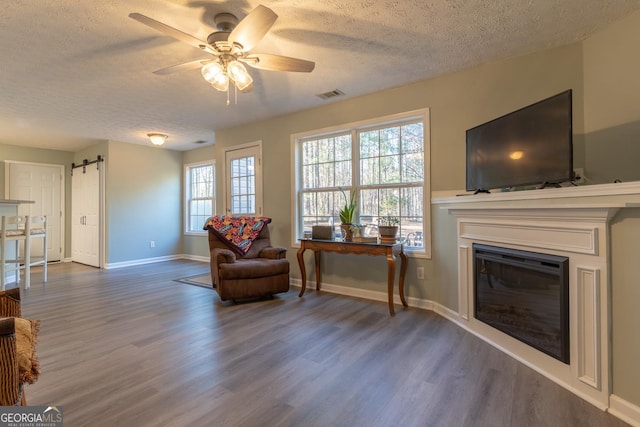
point(388, 228)
point(347, 214)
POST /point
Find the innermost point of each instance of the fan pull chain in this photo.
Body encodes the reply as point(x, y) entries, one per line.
point(227, 96)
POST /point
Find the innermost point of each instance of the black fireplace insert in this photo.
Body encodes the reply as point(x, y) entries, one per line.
point(525, 295)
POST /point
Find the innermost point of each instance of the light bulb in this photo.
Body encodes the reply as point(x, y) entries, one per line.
point(221, 82)
point(239, 75)
point(215, 74)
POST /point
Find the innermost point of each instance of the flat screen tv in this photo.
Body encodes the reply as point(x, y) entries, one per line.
point(530, 146)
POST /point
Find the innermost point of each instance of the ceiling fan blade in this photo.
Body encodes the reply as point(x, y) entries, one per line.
point(265, 61)
point(253, 27)
point(170, 31)
point(186, 66)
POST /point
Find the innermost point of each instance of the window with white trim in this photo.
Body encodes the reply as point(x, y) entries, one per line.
point(199, 195)
point(383, 163)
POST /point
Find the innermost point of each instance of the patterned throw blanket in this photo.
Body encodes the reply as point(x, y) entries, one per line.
point(238, 232)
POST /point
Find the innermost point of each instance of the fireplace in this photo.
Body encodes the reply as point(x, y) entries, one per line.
point(525, 295)
point(573, 235)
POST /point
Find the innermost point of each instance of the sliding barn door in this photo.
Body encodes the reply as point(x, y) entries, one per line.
point(86, 214)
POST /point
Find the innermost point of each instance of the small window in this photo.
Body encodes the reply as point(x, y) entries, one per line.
point(199, 195)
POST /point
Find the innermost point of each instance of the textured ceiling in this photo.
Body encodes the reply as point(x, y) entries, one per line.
point(74, 72)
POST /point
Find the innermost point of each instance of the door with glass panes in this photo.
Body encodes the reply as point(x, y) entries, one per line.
point(244, 181)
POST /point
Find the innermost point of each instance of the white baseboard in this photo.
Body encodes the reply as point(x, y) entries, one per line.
point(627, 412)
point(154, 260)
point(197, 258)
point(362, 293)
point(618, 407)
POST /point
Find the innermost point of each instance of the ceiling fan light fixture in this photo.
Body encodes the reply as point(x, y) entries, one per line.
point(230, 45)
point(212, 71)
point(157, 138)
point(221, 82)
point(238, 73)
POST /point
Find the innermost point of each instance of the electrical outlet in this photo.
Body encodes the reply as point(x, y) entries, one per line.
point(420, 273)
point(579, 175)
point(152, 244)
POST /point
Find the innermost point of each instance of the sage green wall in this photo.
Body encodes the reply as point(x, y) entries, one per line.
point(51, 157)
point(625, 293)
point(612, 122)
point(198, 246)
point(457, 102)
point(144, 196)
point(612, 102)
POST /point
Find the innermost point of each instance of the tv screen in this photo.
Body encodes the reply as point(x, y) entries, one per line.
point(530, 146)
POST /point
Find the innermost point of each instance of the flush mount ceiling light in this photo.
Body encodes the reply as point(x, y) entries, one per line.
point(231, 46)
point(157, 138)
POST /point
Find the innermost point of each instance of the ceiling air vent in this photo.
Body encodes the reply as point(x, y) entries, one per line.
point(331, 94)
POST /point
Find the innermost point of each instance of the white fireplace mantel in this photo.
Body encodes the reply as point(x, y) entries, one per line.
point(570, 222)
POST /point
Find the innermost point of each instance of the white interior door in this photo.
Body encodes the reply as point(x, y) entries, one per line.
point(44, 184)
point(86, 215)
point(244, 180)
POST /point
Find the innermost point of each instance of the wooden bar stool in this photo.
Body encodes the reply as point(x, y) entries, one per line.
point(36, 228)
point(13, 231)
point(22, 228)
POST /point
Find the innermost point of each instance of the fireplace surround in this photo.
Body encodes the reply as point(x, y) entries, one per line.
point(578, 232)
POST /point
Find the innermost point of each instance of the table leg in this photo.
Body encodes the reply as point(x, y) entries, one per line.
point(317, 258)
point(303, 272)
point(403, 271)
point(391, 272)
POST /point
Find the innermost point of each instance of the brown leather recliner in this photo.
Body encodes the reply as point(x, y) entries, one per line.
point(262, 271)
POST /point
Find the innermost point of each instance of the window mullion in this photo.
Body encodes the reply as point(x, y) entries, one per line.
point(380, 153)
point(199, 179)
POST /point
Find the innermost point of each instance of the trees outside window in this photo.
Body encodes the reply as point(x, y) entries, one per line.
point(199, 195)
point(384, 163)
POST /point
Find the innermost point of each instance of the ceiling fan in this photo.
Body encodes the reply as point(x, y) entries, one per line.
point(230, 46)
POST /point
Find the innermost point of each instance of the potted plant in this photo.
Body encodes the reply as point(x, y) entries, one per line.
point(347, 214)
point(388, 228)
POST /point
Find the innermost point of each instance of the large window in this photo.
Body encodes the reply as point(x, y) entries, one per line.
point(199, 195)
point(383, 163)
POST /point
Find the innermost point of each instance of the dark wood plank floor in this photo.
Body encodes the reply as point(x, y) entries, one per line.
point(130, 346)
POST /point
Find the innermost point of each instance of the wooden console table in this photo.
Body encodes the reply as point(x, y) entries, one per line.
point(388, 250)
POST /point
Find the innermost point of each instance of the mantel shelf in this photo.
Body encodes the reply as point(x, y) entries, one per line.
point(573, 213)
point(622, 195)
point(549, 207)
